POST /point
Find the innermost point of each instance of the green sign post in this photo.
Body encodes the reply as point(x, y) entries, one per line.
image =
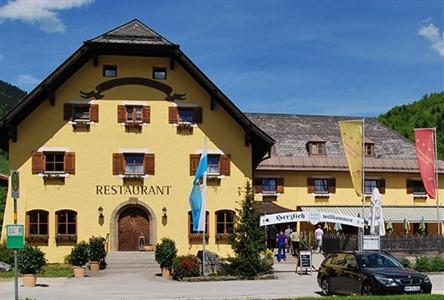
point(15, 238)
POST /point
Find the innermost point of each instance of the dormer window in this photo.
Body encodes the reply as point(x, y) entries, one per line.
point(317, 148)
point(369, 149)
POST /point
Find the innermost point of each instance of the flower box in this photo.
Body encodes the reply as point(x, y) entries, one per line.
point(222, 237)
point(66, 239)
point(37, 239)
point(197, 237)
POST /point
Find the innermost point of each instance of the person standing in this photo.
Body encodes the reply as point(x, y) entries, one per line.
point(295, 240)
point(319, 233)
point(281, 242)
point(287, 233)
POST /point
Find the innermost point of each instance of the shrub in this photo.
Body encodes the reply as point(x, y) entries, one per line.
point(97, 249)
point(437, 264)
point(186, 266)
point(423, 264)
point(79, 254)
point(31, 260)
point(406, 262)
point(6, 255)
point(165, 252)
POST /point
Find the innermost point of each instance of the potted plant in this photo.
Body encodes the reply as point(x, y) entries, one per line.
point(30, 262)
point(164, 254)
point(97, 253)
point(78, 258)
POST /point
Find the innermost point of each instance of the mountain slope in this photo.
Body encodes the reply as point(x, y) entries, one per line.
point(425, 113)
point(9, 96)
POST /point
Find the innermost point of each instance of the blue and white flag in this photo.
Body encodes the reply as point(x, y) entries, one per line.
point(197, 196)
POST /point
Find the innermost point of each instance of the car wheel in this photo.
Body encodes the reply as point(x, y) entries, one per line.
point(367, 289)
point(325, 286)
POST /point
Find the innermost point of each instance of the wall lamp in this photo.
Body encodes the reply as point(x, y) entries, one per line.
point(100, 211)
point(164, 211)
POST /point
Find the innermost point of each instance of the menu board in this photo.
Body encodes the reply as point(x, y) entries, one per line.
point(305, 262)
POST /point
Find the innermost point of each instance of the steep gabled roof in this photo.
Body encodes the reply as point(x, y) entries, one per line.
point(134, 39)
point(133, 32)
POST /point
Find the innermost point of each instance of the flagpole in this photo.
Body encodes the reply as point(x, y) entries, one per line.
point(438, 219)
point(363, 182)
point(204, 200)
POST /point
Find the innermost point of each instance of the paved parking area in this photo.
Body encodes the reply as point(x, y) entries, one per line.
point(146, 285)
point(141, 284)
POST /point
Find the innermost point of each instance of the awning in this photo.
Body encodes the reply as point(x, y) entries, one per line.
point(395, 214)
point(266, 207)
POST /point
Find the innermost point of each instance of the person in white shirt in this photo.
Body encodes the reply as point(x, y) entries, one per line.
point(319, 233)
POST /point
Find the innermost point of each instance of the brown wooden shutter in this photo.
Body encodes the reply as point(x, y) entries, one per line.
point(332, 185)
point(27, 225)
point(121, 110)
point(94, 113)
point(310, 185)
point(409, 185)
point(173, 118)
point(148, 164)
point(225, 165)
point(280, 185)
point(194, 162)
point(37, 162)
point(67, 111)
point(146, 114)
point(70, 162)
point(257, 184)
point(197, 114)
point(118, 160)
point(381, 185)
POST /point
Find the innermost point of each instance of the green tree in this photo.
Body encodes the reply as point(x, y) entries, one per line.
point(247, 239)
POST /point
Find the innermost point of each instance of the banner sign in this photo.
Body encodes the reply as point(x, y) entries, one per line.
point(425, 154)
point(312, 216)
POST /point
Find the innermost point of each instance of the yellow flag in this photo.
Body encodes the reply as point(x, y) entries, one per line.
point(351, 133)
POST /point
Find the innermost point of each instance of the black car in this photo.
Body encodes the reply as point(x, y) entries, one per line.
point(369, 273)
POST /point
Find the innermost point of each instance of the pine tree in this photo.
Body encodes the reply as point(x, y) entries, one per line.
point(248, 239)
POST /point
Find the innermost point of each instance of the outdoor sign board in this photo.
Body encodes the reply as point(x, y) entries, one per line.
point(15, 236)
point(305, 261)
point(371, 242)
point(15, 184)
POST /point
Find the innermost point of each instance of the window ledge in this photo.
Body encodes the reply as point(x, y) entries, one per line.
point(269, 194)
point(185, 124)
point(133, 176)
point(53, 175)
point(81, 122)
point(215, 176)
point(320, 195)
point(133, 124)
point(420, 196)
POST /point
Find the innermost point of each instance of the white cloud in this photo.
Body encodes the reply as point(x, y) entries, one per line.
point(42, 12)
point(27, 82)
point(433, 34)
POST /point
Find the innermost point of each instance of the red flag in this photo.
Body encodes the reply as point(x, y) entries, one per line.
point(425, 154)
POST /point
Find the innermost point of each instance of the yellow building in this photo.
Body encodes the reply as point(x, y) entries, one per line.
point(108, 143)
point(307, 170)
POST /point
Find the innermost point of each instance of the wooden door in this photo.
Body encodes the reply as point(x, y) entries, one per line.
point(133, 223)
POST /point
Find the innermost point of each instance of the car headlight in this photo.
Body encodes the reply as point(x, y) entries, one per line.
point(386, 280)
point(426, 279)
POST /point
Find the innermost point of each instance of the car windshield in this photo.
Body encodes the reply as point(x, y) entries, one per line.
point(377, 260)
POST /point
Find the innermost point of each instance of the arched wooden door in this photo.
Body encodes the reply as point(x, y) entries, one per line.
point(133, 223)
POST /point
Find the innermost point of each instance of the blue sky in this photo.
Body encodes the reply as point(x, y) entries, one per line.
point(347, 57)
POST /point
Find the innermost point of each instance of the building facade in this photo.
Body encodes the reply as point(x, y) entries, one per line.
point(108, 143)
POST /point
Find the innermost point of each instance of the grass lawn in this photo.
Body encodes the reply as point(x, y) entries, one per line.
point(390, 297)
point(50, 270)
